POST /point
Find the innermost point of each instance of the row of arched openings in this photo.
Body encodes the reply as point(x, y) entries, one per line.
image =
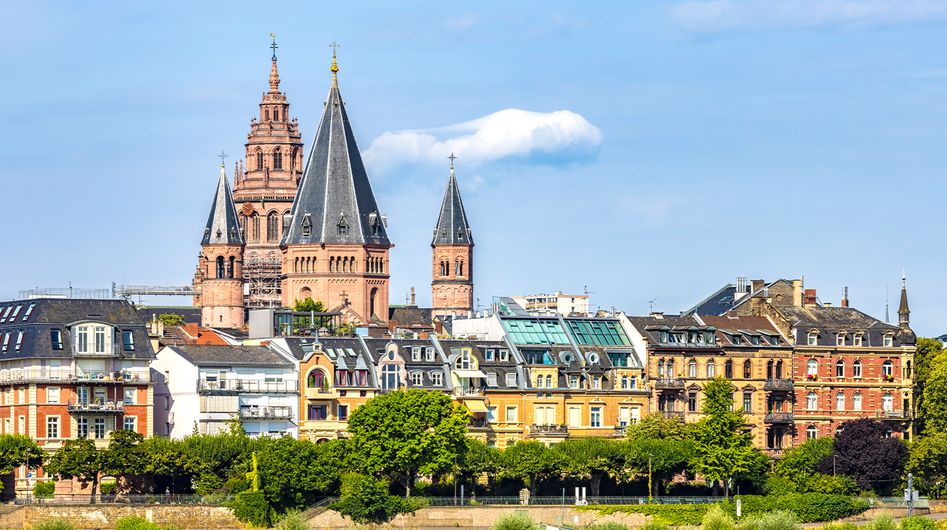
point(251, 227)
point(375, 264)
point(276, 159)
point(341, 264)
point(458, 267)
point(225, 267)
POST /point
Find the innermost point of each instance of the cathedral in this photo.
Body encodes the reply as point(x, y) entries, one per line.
point(289, 230)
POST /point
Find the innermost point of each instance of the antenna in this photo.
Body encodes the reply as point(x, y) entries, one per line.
point(886, 305)
point(651, 304)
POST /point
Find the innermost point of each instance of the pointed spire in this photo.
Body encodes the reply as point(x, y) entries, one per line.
point(904, 312)
point(335, 66)
point(274, 72)
point(452, 226)
point(222, 226)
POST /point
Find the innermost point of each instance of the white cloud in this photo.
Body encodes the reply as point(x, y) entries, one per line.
point(710, 16)
point(552, 137)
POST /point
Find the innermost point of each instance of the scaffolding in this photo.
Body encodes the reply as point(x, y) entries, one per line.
point(262, 276)
point(64, 292)
point(127, 291)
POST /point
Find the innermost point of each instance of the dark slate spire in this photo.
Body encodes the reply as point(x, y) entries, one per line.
point(452, 226)
point(335, 202)
point(222, 226)
point(904, 313)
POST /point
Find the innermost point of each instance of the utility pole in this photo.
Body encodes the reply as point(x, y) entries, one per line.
point(910, 494)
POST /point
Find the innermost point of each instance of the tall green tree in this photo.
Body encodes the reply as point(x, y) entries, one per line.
point(723, 444)
point(656, 427)
point(406, 433)
point(167, 462)
point(17, 450)
point(479, 459)
point(590, 459)
point(367, 500)
point(864, 452)
point(77, 459)
point(658, 458)
point(933, 402)
point(124, 455)
point(928, 462)
point(530, 461)
point(294, 473)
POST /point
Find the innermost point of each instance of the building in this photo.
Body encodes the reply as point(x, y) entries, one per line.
point(73, 368)
point(335, 245)
point(554, 304)
point(452, 256)
point(204, 389)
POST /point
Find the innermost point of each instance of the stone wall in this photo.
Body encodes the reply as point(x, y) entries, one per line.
point(105, 516)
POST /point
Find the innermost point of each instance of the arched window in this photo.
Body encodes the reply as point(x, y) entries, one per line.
point(254, 227)
point(887, 368)
point(692, 368)
point(272, 226)
point(266, 114)
point(840, 401)
point(887, 402)
point(857, 401)
point(812, 401)
point(661, 368)
point(459, 269)
point(747, 369)
point(292, 161)
point(548, 381)
point(812, 367)
point(711, 369)
point(296, 264)
point(352, 264)
point(779, 369)
point(670, 368)
point(728, 369)
point(332, 264)
point(857, 369)
point(390, 377)
point(372, 302)
point(259, 159)
point(769, 369)
point(840, 368)
point(277, 158)
point(230, 266)
point(316, 379)
point(276, 115)
point(812, 432)
point(220, 267)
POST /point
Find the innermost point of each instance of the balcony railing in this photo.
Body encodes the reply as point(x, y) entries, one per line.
point(105, 407)
point(893, 414)
point(673, 414)
point(778, 417)
point(91, 351)
point(266, 413)
point(669, 383)
point(472, 392)
point(549, 430)
point(783, 385)
point(478, 423)
point(51, 375)
point(254, 386)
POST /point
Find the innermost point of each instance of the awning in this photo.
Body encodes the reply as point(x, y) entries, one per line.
point(470, 374)
point(475, 405)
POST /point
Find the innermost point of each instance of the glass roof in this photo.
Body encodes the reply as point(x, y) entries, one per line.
point(598, 332)
point(535, 331)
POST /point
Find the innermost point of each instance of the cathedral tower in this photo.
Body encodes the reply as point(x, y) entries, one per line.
point(220, 268)
point(264, 189)
point(452, 272)
point(335, 242)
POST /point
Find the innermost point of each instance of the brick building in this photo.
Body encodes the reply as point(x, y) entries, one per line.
point(452, 256)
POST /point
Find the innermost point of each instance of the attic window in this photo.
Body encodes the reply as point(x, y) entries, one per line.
point(29, 311)
point(6, 313)
point(19, 340)
point(55, 339)
point(307, 226)
point(888, 341)
point(343, 226)
point(460, 234)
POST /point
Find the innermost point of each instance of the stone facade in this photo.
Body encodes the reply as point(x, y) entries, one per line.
point(452, 287)
point(221, 297)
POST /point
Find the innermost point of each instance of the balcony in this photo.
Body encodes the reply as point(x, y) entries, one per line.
point(478, 423)
point(468, 392)
point(104, 407)
point(59, 376)
point(669, 383)
point(112, 350)
point(778, 418)
point(673, 414)
point(560, 431)
point(266, 413)
point(247, 386)
point(322, 393)
point(774, 452)
point(893, 415)
point(778, 385)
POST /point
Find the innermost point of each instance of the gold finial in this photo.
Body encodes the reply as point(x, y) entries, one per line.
point(335, 65)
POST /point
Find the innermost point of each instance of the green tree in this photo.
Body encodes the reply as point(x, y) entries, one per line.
point(124, 455)
point(590, 459)
point(404, 433)
point(293, 473)
point(802, 461)
point(170, 320)
point(662, 457)
point(723, 444)
point(928, 462)
point(655, 427)
point(933, 402)
point(166, 461)
point(367, 500)
point(530, 461)
point(309, 305)
point(17, 450)
point(78, 459)
point(477, 460)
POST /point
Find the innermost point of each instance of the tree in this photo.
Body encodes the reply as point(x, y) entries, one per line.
point(590, 459)
point(530, 461)
point(928, 462)
point(803, 461)
point(170, 320)
point(478, 459)
point(655, 427)
point(167, 462)
point(309, 305)
point(366, 500)
point(933, 402)
point(78, 459)
point(124, 455)
point(17, 450)
point(661, 457)
point(404, 433)
point(864, 452)
point(723, 444)
point(293, 473)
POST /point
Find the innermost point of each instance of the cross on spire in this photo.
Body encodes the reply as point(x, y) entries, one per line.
point(222, 156)
point(273, 45)
point(452, 158)
point(335, 66)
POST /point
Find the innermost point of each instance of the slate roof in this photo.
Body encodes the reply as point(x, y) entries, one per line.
point(452, 227)
point(335, 202)
point(830, 320)
point(191, 315)
point(717, 303)
point(231, 356)
point(222, 226)
point(651, 326)
point(746, 328)
point(409, 316)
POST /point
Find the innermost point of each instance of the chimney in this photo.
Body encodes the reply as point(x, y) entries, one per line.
point(797, 293)
point(412, 296)
point(756, 285)
point(809, 297)
point(844, 302)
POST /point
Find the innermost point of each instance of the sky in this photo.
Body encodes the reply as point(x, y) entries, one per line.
point(648, 152)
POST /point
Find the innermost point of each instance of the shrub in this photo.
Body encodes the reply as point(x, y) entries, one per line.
point(135, 523)
point(365, 499)
point(653, 525)
point(881, 522)
point(918, 523)
point(44, 489)
point(515, 521)
point(717, 519)
point(662, 515)
point(292, 521)
point(108, 488)
point(251, 507)
point(840, 526)
point(607, 525)
point(775, 520)
point(55, 524)
point(808, 507)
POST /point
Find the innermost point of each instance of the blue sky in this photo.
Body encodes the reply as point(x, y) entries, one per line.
point(668, 146)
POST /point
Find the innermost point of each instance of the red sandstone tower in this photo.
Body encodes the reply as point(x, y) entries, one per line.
point(220, 267)
point(452, 265)
point(264, 189)
point(335, 242)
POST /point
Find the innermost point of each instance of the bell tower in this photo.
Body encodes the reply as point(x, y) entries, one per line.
point(220, 267)
point(452, 255)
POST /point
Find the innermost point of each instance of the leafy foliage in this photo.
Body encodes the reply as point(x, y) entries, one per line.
point(251, 507)
point(864, 452)
point(589, 460)
point(44, 489)
point(917, 523)
point(608, 525)
point(406, 433)
point(293, 473)
point(77, 459)
point(170, 320)
point(656, 427)
point(55, 524)
point(516, 521)
point(292, 521)
point(124, 455)
point(881, 522)
point(928, 462)
point(933, 400)
point(530, 461)
point(775, 520)
point(17, 450)
point(808, 507)
point(366, 500)
point(661, 514)
point(138, 523)
point(717, 519)
point(666, 456)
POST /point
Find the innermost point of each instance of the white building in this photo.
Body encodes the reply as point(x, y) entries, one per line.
point(204, 387)
point(555, 304)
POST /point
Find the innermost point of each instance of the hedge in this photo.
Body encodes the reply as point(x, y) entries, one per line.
point(808, 507)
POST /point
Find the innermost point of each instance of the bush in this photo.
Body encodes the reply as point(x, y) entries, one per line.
point(808, 507)
point(515, 521)
point(45, 489)
point(292, 521)
point(717, 519)
point(653, 525)
point(840, 526)
point(881, 522)
point(776, 520)
point(55, 524)
point(608, 525)
point(918, 523)
point(135, 523)
point(251, 507)
point(108, 488)
point(662, 515)
point(366, 500)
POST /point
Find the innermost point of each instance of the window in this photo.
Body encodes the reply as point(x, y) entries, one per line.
point(811, 432)
point(277, 154)
point(19, 340)
point(6, 313)
point(857, 401)
point(888, 341)
point(130, 423)
point(812, 401)
point(748, 401)
point(511, 380)
point(463, 362)
point(661, 368)
point(595, 416)
point(549, 381)
point(624, 382)
point(504, 354)
point(857, 369)
point(416, 354)
point(624, 416)
point(735, 339)
point(573, 381)
point(128, 340)
point(840, 368)
point(492, 414)
point(711, 369)
point(390, 376)
point(437, 379)
point(813, 338)
point(692, 368)
point(840, 339)
point(857, 339)
point(887, 368)
point(887, 403)
point(512, 414)
point(130, 396)
point(307, 226)
point(82, 427)
point(316, 379)
point(597, 383)
point(692, 402)
point(29, 311)
point(99, 339)
point(52, 394)
point(539, 381)
point(488, 354)
point(100, 428)
point(840, 401)
point(417, 378)
point(272, 226)
point(15, 313)
point(318, 412)
point(342, 411)
point(82, 394)
point(728, 369)
point(747, 370)
point(259, 159)
point(429, 354)
point(812, 367)
point(52, 426)
point(6, 341)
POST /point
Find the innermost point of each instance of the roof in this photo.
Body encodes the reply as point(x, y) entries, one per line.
point(191, 315)
point(833, 319)
point(410, 316)
point(717, 303)
point(452, 227)
point(222, 226)
point(335, 202)
point(202, 355)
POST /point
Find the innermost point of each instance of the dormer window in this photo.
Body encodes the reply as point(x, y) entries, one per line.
point(19, 340)
point(343, 226)
point(857, 340)
point(840, 339)
point(55, 339)
point(888, 341)
point(736, 339)
point(813, 338)
point(307, 226)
